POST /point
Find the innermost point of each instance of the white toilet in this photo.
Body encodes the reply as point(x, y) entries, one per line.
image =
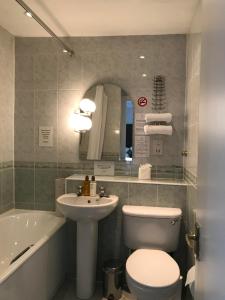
point(151, 273)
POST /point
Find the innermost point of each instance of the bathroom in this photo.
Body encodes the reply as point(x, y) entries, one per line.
point(43, 155)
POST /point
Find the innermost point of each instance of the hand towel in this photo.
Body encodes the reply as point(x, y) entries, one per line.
point(163, 117)
point(158, 129)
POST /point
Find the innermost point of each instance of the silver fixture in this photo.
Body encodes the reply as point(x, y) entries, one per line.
point(173, 222)
point(112, 279)
point(79, 190)
point(102, 191)
point(29, 12)
point(184, 153)
point(159, 93)
point(20, 254)
point(193, 240)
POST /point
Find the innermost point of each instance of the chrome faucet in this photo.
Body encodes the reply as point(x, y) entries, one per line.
point(102, 191)
point(79, 190)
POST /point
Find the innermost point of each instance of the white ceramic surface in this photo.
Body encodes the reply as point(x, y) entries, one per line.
point(42, 267)
point(151, 227)
point(87, 211)
point(152, 274)
point(86, 207)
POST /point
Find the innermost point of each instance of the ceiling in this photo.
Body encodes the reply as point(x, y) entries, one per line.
point(99, 17)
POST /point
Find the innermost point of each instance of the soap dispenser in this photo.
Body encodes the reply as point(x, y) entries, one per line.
point(86, 186)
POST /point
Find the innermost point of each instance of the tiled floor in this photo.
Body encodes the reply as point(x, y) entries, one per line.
point(67, 292)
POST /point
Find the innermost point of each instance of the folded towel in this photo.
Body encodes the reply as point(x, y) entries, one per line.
point(163, 117)
point(158, 129)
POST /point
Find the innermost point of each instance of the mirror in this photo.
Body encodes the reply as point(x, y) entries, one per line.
point(111, 135)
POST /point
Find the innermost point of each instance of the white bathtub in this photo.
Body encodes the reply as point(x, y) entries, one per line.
point(36, 274)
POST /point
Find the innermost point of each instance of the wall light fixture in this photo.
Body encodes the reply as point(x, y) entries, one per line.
point(82, 119)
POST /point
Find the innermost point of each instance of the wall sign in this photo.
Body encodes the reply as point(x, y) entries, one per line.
point(45, 136)
point(141, 146)
point(106, 168)
point(142, 101)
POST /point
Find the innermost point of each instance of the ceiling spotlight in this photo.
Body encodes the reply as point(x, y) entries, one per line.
point(144, 75)
point(65, 51)
point(28, 14)
point(142, 57)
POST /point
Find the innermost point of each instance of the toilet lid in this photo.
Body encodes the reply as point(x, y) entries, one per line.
point(153, 268)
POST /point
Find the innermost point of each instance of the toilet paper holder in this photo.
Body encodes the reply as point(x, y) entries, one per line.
point(193, 240)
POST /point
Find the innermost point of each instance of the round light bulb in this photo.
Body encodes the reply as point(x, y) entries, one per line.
point(81, 123)
point(87, 105)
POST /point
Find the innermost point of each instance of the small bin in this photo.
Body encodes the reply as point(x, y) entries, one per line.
point(112, 279)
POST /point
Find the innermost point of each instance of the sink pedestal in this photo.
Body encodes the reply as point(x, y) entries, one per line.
point(86, 211)
point(87, 239)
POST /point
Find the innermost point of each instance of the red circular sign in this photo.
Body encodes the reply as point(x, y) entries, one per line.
point(142, 101)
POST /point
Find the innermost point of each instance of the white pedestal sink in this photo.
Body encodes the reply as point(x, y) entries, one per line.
point(87, 211)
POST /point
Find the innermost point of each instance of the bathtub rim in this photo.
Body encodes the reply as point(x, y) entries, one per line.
point(21, 260)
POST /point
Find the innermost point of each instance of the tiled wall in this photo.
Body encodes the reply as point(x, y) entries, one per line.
point(111, 243)
point(49, 86)
point(7, 90)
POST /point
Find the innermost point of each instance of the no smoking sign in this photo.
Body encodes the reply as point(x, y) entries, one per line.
point(142, 101)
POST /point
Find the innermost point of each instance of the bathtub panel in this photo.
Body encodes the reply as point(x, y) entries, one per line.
point(57, 261)
point(43, 271)
point(29, 281)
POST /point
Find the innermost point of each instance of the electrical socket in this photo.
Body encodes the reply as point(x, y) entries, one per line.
point(157, 147)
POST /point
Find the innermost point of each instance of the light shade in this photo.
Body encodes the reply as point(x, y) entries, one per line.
point(87, 105)
point(81, 123)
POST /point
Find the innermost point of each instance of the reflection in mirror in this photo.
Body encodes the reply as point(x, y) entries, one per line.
point(111, 135)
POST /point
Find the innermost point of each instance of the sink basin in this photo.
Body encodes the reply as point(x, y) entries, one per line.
point(86, 211)
point(85, 207)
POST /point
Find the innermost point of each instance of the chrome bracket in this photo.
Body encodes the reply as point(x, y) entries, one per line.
point(193, 240)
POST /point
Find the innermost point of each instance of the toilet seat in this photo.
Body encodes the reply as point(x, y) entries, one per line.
point(152, 268)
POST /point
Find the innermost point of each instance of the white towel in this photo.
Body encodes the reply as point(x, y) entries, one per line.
point(163, 117)
point(158, 129)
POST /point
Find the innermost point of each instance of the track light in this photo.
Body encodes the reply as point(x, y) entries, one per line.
point(28, 14)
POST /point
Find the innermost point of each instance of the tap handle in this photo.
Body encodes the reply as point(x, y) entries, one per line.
point(102, 191)
point(79, 190)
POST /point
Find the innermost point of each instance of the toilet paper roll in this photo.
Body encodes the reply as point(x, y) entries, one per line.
point(190, 281)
